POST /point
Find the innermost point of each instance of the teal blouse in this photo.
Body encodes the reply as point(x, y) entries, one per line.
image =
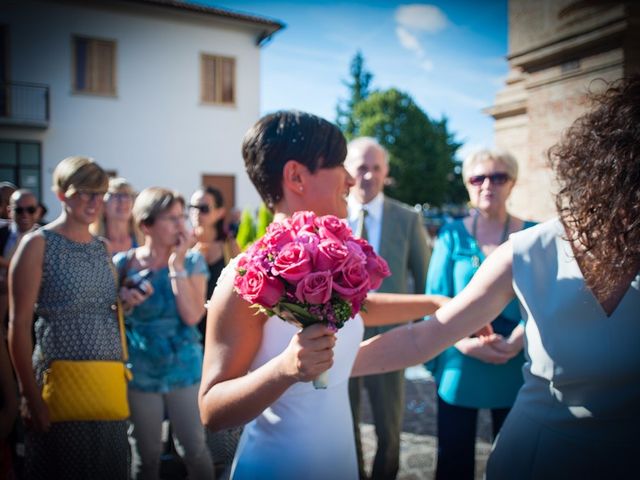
point(164, 352)
point(462, 380)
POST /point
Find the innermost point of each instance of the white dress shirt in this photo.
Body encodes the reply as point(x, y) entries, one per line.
point(373, 220)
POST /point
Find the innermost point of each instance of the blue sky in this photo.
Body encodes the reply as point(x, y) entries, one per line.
point(448, 55)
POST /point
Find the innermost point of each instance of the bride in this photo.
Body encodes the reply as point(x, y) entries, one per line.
point(257, 370)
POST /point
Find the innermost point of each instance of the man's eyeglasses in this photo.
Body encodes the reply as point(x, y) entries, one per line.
point(201, 208)
point(30, 210)
point(498, 178)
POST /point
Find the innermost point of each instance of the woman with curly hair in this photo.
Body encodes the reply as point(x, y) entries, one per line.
point(578, 281)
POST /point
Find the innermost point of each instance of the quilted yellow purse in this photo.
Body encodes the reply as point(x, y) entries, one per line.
point(86, 390)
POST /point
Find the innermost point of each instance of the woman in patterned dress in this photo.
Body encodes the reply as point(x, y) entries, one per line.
point(64, 272)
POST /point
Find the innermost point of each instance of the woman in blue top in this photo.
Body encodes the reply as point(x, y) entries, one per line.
point(164, 343)
point(475, 374)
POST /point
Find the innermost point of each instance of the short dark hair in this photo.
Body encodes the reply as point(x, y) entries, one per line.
point(289, 135)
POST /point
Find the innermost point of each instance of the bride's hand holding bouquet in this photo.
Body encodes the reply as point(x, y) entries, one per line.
point(310, 270)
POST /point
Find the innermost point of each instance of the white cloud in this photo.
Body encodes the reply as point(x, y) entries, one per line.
point(426, 65)
point(409, 41)
point(422, 17)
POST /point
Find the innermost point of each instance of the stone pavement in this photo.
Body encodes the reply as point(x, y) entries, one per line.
point(418, 441)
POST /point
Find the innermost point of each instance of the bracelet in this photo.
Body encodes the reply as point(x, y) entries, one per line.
point(178, 274)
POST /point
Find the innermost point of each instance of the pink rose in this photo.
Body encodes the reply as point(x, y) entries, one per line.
point(352, 281)
point(315, 288)
point(330, 226)
point(331, 255)
point(378, 270)
point(292, 262)
point(256, 286)
point(277, 236)
point(303, 221)
point(355, 250)
point(310, 241)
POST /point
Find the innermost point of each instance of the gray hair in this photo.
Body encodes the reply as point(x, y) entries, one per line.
point(361, 144)
point(484, 155)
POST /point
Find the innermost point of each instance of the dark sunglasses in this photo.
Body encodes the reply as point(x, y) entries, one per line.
point(29, 210)
point(201, 208)
point(498, 178)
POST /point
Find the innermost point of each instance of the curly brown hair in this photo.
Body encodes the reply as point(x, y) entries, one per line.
point(597, 164)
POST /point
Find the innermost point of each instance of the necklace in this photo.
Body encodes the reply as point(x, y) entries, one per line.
point(475, 260)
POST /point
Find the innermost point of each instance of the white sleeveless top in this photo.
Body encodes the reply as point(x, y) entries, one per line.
point(578, 412)
point(307, 434)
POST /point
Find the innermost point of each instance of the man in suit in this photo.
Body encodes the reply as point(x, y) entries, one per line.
point(396, 232)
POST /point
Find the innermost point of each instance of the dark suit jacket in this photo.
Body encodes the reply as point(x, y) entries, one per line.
point(403, 244)
point(4, 236)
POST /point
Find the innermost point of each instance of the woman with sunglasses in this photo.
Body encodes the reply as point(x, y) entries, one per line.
point(65, 274)
point(116, 223)
point(207, 213)
point(163, 296)
point(473, 373)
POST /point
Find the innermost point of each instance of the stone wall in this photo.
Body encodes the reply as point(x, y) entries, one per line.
point(559, 50)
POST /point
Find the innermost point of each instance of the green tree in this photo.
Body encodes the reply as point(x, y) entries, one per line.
point(246, 229)
point(358, 85)
point(265, 217)
point(421, 151)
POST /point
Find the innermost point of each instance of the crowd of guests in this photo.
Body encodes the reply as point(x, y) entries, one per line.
point(541, 329)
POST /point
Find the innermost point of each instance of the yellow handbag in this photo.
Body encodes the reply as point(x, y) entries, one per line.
point(86, 390)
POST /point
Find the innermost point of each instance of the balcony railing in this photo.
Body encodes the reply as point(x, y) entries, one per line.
point(24, 104)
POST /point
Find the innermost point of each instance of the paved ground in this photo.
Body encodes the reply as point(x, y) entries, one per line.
point(419, 437)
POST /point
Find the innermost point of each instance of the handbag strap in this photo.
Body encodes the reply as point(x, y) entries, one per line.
point(119, 309)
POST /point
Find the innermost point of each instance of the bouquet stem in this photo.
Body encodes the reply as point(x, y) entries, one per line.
point(321, 381)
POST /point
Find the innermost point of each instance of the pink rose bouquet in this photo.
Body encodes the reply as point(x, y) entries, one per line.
point(309, 269)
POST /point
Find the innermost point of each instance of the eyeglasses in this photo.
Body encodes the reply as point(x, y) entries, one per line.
point(119, 196)
point(201, 208)
point(498, 178)
point(178, 219)
point(31, 210)
point(89, 196)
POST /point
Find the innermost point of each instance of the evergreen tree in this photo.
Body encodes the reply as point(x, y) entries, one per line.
point(246, 229)
point(358, 91)
point(265, 217)
point(421, 151)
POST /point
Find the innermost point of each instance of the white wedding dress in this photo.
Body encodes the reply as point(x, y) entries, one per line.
point(307, 434)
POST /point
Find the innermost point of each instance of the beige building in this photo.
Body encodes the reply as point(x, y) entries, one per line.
point(558, 51)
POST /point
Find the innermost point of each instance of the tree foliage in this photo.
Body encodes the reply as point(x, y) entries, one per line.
point(421, 151)
point(358, 85)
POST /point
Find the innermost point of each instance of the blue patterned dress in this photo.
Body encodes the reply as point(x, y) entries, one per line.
point(76, 321)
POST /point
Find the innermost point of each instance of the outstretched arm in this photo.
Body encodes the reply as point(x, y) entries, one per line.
point(230, 395)
point(482, 300)
point(393, 308)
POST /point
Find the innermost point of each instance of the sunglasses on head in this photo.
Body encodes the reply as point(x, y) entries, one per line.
point(498, 178)
point(201, 208)
point(30, 210)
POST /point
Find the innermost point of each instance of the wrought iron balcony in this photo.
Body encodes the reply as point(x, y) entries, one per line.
point(24, 104)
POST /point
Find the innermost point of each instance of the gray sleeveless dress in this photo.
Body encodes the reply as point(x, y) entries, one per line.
point(578, 413)
point(76, 321)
